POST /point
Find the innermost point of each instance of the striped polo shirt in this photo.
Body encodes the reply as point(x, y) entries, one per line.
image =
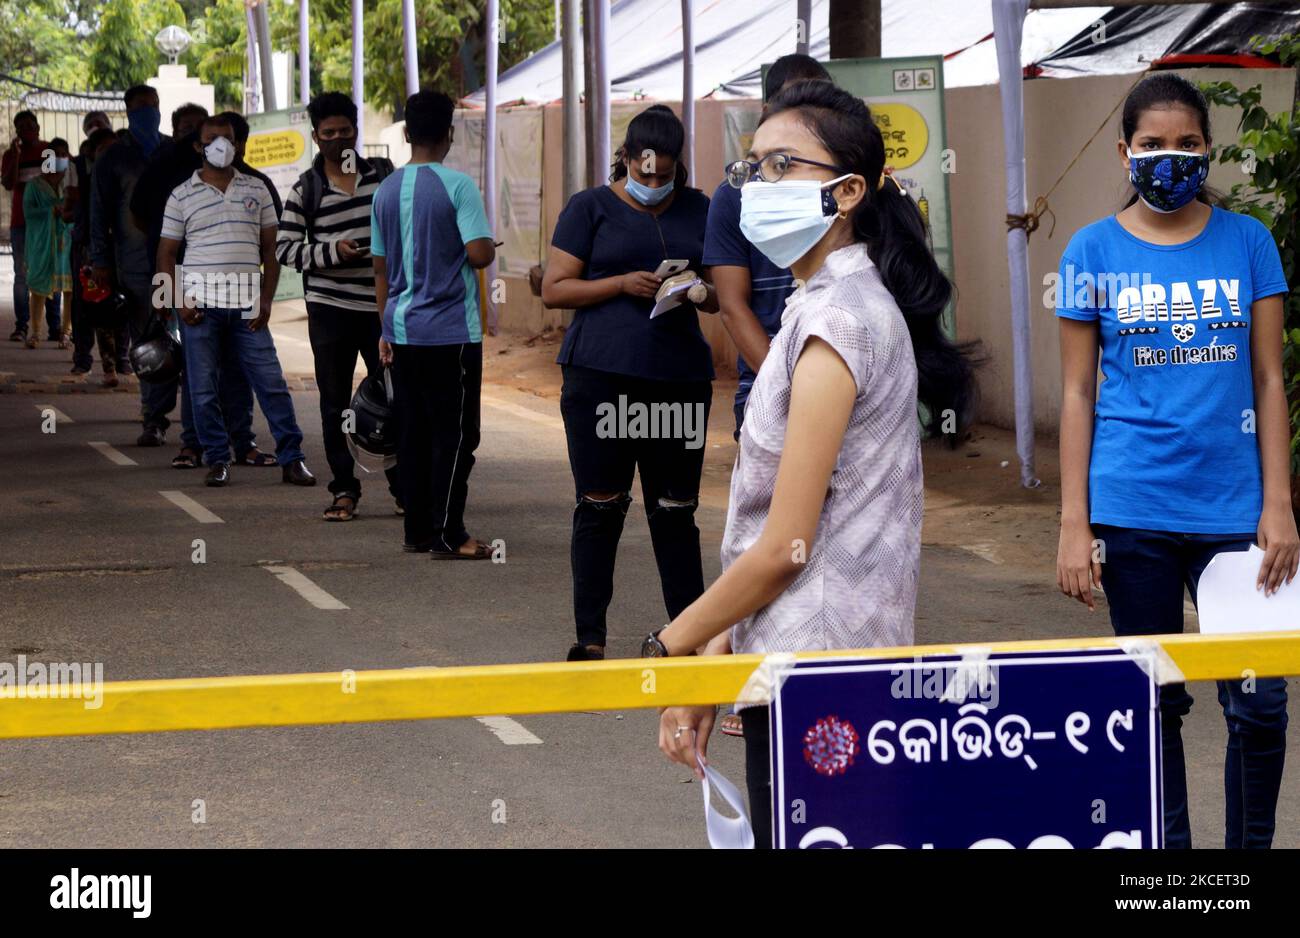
point(422, 218)
point(222, 232)
point(342, 216)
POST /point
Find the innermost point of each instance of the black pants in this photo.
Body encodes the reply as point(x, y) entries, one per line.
point(604, 455)
point(337, 337)
point(758, 773)
point(436, 397)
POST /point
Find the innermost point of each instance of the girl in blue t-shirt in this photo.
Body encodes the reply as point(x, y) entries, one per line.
point(637, 385)
point(1185, 452)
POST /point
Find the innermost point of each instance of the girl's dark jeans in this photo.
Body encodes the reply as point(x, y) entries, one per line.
point(605, 451)
point(1143, 574)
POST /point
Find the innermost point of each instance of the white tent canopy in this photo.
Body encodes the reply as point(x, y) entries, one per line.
point(733, 38)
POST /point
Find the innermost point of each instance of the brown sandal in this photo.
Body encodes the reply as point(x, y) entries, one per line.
point(338, 511)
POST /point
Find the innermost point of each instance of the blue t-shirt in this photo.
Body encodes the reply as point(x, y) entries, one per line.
point(422, 217)
point(726, 246)
point(613, 238)
point(1173, 447)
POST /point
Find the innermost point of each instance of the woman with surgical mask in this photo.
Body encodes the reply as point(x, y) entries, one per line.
point(48, 273)
point(1185, 453)
point(637, 373)
point(823, 538)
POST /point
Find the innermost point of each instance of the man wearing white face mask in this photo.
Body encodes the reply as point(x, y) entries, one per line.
point(224, 294)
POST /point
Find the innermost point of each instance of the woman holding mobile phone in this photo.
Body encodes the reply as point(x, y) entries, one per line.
point(636, 390)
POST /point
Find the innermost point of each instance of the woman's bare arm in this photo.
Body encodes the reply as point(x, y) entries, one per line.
point(822, 392)
point(1077, 569)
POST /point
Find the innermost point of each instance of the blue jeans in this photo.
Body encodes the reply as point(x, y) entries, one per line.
point(236, 396)
point(1143, 574)
point(223, 332)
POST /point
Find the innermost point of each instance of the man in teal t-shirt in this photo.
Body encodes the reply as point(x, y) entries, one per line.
point(429, 234)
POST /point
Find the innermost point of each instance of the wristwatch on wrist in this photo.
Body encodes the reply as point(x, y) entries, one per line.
point(652, 647)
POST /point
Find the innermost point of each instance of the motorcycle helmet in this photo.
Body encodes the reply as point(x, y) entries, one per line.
point(372, 431)
point(158, 360)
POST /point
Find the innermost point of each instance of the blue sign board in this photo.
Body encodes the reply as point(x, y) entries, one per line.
point(1008, 750)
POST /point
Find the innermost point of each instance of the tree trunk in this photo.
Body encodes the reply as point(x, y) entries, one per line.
point(855, 29)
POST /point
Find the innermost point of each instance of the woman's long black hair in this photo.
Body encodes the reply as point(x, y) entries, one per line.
point(891, 226)
point(1163, 90)
point(656, 129)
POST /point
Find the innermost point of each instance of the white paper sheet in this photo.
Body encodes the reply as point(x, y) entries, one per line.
point(1228, 602)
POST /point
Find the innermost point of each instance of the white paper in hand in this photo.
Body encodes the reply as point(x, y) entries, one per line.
point(674, 298)
point(1228, 602)
point(725, 833)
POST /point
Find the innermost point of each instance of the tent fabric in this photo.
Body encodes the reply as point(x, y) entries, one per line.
point(734, 38)
point(1134, 39)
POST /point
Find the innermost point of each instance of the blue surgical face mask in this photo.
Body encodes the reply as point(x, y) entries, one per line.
point(61, 164)
point(785, 219)
point(646, 195)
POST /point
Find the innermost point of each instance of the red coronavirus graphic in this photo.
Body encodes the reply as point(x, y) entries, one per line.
point(830, 746)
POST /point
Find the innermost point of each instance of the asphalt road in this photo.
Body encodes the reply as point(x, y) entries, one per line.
point(96, 565)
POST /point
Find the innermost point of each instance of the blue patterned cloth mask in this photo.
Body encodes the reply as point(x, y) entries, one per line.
point(1166, 180)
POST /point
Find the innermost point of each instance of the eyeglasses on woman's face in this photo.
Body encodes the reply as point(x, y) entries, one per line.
point(770, 168)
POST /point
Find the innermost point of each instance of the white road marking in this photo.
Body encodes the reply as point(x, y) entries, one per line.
point(191, 508)
point(305, 588)
point(509, 731)
point(555, 423)
point(112, 454)
point(59, 416)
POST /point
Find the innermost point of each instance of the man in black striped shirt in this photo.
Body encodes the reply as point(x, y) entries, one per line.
point(325, 233)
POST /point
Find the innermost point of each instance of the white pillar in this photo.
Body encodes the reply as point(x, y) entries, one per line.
point(253, 98)
point(688, 85)
point(412, 59)
point(600, 94)
point(493, 15)
point(269, 102)
point(358, 68)
point(571, 51)
point(1008, 26)
point(304, 54)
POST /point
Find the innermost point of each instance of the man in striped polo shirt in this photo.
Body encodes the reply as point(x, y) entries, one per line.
point(428, 235)
point(227, 221)
point(325, 233)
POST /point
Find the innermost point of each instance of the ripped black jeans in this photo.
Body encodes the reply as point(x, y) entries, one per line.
point(615, 425)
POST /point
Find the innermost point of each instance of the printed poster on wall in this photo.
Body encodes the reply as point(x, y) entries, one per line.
point(519, 167)
point(279, 145)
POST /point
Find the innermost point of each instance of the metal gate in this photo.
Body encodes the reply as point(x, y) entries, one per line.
point(59, 113)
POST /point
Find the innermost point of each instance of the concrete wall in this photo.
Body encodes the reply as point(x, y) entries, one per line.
point(1060, 115)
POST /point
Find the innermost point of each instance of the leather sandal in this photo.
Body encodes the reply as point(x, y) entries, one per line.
point(340, 510)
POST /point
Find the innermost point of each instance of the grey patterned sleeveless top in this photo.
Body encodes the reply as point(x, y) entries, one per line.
point(858, 587)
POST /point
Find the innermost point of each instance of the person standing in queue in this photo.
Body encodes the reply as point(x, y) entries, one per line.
point(609, 245)
point(325, 234)
point(830, 454)
point(1185, 453)
point(428, 234)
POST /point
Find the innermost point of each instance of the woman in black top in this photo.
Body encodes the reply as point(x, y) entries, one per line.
point(636, 389)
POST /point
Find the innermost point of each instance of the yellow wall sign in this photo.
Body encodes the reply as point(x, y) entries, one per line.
point(275, 148)
point(905, 132)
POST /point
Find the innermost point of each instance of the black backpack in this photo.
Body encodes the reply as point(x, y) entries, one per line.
point(309, 185)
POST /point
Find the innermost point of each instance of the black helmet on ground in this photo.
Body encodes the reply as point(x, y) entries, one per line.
point(158, 359)
point(373, 429)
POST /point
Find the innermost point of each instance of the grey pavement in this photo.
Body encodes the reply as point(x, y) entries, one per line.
point(95, 565)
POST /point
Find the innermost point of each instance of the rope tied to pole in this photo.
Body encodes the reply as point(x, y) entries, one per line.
point(1030, 220)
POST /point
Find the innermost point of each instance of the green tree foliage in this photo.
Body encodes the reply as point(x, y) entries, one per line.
point(41, 43)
